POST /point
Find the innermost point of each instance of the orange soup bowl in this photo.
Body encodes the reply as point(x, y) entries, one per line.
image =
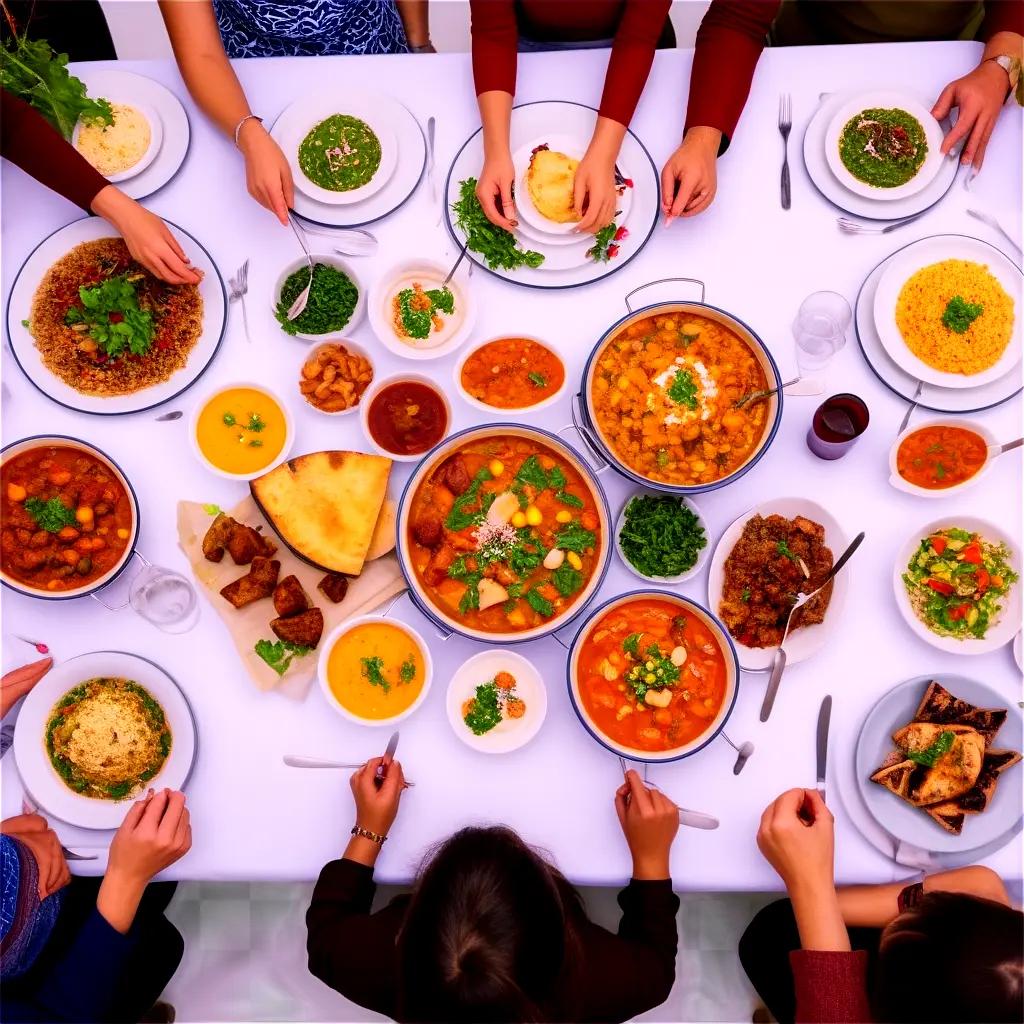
point(664, 644)
point(943, 456)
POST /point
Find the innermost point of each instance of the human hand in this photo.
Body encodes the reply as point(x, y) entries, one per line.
point(649, 822)
point(42, 842)
point(594, 194)
point(494, 189)
point(689, 178)
point(796, 837)
point(17, 683)
point(155, 833)
point(267, 174)
point(978, 96)
point(377, 806)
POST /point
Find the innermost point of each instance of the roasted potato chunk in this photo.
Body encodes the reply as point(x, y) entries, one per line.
point(304, 629)
point(334, 586)
point(257, 583)
point(245, 543)
point(217, 537)
point(289, 597)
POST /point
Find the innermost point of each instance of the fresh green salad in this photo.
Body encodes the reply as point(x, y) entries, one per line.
point(660, 536)
point(955, 580)
point(332, 300)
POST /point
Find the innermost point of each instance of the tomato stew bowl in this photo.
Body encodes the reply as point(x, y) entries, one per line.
point(585, 414)
point(902, 484)
point(686, 608)
point(409, 550)
point(89, 586)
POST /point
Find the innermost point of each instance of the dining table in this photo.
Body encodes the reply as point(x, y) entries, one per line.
point(253, 817)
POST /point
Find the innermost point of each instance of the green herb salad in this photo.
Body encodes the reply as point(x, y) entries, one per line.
point(660, 535)
point(332, 300)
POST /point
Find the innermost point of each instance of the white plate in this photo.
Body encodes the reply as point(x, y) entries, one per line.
point(167, 111)
point(702, 555)
point(1001, 631)
point(156, 137)
point(411, 158)
point(308, 111)
point(333, 260)
point(901, 484)
point(37, 773)
point(511, 733)
point(829, 186)
point(805, 642)
point(907, 262)
point(1018, 654)
point(19, 307)
point(912, 824)
point(883, 101)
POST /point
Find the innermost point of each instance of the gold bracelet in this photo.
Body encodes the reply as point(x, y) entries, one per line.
point(248, 117)
point(374, 837)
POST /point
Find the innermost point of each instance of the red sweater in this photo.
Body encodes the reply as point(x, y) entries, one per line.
point(634, 25)
point(830, 988)
point(730, 40)
point(30, 141)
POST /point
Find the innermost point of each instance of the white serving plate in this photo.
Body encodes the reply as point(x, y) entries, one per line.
point(329, 259)
point(156, 136)
point(19, 307)
point(1002, 630)
point(884, 100)
point(901, 484)
point(494, 410)
point(39, 777)
point(511, 733)
point(807, 641)
point(702, 555)
point(907, 262)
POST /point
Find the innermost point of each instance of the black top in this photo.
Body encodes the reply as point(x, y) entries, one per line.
point(618, 976)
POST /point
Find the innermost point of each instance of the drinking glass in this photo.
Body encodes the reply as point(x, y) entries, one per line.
point(820, 329)
point(161, 596)
point(836, 425)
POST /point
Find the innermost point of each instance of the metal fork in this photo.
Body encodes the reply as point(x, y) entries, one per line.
point(785, 124)
point(239, 285)
point(855, 227)
point(987, 218)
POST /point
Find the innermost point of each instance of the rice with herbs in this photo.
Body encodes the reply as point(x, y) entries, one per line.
point(923, 300)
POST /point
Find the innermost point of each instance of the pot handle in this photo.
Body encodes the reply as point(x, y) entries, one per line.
point(127, 601)
point(442, 633)
point(588, 439)
point(664, 280)
point(569, 632)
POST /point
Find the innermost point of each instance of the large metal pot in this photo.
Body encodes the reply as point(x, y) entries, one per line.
point(441, 618)
point(585, 419)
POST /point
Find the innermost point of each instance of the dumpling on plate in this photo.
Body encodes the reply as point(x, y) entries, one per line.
point(550, 179)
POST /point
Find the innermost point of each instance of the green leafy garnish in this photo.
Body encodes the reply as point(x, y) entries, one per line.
point(256, 422)
point(959, 314)
point(682, 390)
point(660, 535)
point(653, 671)
point(497, 246)
point(566, 579)
point(332, 300)
point(459, 518)
point(442, 299)
point(745, 596)
point(407, 670)
point(279, 655)
point(373, 672)
point(229, 419)
point(533, 473)
point(256, 443)
point(600, 251)
point(51, 516)
point(537, 380)
point(212, 510)
point(568, 499)
point(784, 549)
point(931, 754)
point(631, 645)
point(112, 317)
point(573, 537)
point(539, 603)
point(484, 711)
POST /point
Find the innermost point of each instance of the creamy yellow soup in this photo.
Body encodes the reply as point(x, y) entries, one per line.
point(241, 430)
point(376, 670)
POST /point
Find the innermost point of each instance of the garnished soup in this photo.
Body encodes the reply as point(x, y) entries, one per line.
point(512, 373)
point(651, 675)
point(241, 430)
point(939, 456)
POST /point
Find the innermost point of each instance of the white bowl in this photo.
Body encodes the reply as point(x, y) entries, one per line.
point(500, 410)
point(999, 632)
point(340, 630)
point(885, 100)
point(901, 484)
point(289, 431)
point(156, 138)
point(356, 349)
point(400, 276)
point(511, 733)
point(702, 555)
point(375, 388)
point(346, 268)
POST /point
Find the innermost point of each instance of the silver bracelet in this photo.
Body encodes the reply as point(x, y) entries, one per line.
point(248, 117)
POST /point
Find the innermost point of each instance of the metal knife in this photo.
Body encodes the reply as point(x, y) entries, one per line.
point(389, 756)
point(431, 178)
point(824, 717)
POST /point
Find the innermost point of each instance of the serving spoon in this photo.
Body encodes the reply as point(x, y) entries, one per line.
point(298, 306)
point(811, 386)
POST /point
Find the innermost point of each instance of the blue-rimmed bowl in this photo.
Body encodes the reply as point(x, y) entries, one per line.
point(732, 668)
point(448, 623)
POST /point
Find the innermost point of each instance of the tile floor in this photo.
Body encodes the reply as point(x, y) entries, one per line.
point(245, 956)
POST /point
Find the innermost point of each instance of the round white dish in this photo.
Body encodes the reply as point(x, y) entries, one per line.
point(353, 347)
point(901, 484)
point(805, 642)
point(1018, 653)
point(702, 555)
point(37, 773)
point(999, 632)
point(332, 260)
point(494, 410)
point(511, 733)
point(156, 138)
point(378, 386)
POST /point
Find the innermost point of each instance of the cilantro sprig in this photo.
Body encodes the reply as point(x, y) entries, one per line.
point(51, 516)
point(497, 246)
point(280, 655)
point(111, 316)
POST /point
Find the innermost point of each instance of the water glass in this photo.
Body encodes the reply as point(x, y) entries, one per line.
point(164, 598)
point(820, 329)
point(836, 425)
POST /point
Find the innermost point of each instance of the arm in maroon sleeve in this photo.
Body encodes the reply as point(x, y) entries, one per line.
point(830, 987)
point(495, 41)
point(28, 140)
point(632, 55)
point(1002, 16)
point(729, 42)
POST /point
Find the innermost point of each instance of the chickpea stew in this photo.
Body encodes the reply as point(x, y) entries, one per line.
point(512, 373)
point(67, 519)
point(664, 392)
point(651, 675)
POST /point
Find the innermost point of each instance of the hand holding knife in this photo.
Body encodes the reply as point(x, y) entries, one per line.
point(821, 750)
point(389, 756)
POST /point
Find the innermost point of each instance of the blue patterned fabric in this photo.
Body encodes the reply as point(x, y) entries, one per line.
point(264, 28)
point(25, 923)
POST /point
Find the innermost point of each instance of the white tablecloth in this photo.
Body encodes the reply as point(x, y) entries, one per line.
point(253, 818)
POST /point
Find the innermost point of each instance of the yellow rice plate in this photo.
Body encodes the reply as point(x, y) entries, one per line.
point(922, 301)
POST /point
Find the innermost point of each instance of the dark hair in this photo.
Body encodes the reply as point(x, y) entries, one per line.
point(953, 957)
point(488, 935)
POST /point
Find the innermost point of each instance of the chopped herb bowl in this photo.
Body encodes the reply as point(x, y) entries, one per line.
point(331, 317)
point(656, 530)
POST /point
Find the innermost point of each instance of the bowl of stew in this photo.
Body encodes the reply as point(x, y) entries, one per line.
point(511, 372)
point(503, 532)
point(659, 397)
point(405, 415)
point(934, 459)
point(653, 676)
point(70, 519)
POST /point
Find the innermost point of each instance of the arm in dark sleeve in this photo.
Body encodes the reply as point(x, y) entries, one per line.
point(632, 55)
point(495, 42)
point(1002, 16)
point(830, 987)
point(30, 141)
point(729, 43)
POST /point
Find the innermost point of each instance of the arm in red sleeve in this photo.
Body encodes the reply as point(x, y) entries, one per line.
point(830, 987)
point(495, 42)
point(729, 42)
point(1002, 16)
point(632, 55)
point(28, 140)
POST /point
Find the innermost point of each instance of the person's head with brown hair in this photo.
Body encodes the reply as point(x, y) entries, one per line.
point(952, 957)
point(488, 933)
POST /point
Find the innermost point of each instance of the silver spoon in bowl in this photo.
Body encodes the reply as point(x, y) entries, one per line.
point(296, 309)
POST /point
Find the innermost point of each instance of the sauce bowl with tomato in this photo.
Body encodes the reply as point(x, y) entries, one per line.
point(935, 459)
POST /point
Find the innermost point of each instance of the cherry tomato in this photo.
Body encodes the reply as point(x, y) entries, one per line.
point(940, 586)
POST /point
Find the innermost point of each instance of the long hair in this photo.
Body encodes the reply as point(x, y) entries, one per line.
point(489, 934)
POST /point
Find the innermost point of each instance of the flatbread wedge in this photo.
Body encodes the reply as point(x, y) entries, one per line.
point(951, 814)
point(940, 706)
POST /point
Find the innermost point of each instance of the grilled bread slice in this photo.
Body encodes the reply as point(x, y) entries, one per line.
point(940, 706)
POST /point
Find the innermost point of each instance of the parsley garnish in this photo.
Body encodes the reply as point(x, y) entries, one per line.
point(51, 516)
point(229, 419)
point(682, 390)
point(573, 537)
point(407, 671)
point(212, 510)
point(600, 251)
point(539, 603)
point(631, 645)
point(960, 314)
point(373, 672)
point(256, 422)
point(537, 380)
point(459, 518)
point(783, 549)
point(497, 246)
point(279, 655)
point(112, 317)
point(931, 754)
point(566, 579)
point(484, 710)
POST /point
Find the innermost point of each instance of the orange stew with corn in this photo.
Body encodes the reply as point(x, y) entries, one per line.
point(67, 519)
point(651, 675)
point(664, 393)
point(938, 457)
point(504, 534)
point(512, 373)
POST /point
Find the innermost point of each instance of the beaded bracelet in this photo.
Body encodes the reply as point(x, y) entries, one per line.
point(374, 837)
point(248, 117)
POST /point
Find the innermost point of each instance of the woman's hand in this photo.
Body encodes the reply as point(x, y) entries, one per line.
point(796, 837)
point(17, 683)
point(594, 196)
point(267, 174)
point(689, 178)
point(42, 842)
point(979, 96)
point(494, 189)
point(377, 807)
point(649, 822)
